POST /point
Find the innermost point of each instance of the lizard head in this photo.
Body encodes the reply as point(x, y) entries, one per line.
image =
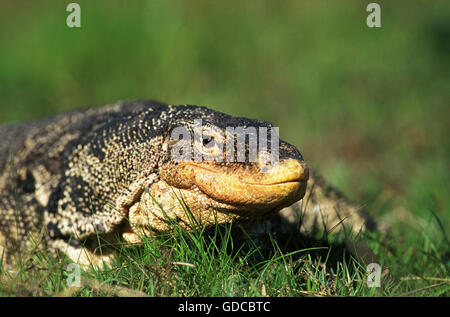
point(220, 168)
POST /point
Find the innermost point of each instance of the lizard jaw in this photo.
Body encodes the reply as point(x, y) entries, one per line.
point(282, 185)
point(214, 197)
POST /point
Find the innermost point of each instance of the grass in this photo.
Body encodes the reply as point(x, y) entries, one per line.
point(188, 264)
point(368, 108)
point(204, 262)
point(194, 264)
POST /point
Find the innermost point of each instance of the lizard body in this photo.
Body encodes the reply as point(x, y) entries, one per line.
point(100, 171)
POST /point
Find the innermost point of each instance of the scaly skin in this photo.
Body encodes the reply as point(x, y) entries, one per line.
point(100, 172)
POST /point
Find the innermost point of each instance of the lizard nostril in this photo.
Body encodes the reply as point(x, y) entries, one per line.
point(264, 159)
point(285, 171)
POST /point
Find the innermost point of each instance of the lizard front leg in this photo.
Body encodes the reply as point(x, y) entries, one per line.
point(81, 255)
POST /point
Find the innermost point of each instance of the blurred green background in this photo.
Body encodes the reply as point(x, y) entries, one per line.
point(367, 107)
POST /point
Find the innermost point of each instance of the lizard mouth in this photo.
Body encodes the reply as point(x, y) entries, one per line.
point(245, 188)
point(218, 193)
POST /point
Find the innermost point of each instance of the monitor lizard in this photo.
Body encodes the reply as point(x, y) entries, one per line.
point(104, 171)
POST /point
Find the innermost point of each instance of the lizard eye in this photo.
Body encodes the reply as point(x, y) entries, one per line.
point(208, 142)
